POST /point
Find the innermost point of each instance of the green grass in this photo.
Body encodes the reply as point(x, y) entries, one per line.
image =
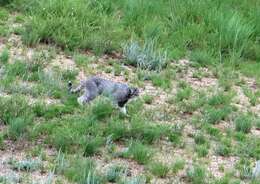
point(243, 123)
point(224, 148)
point(214, 115)
point(159, 169)
point(114, 173)
point(220, 35)
point(177, 26)
point(196, 174)
point(139, 152)
point(4, 56)
point(178, 165)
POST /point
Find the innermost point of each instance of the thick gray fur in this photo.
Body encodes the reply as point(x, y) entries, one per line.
point(94, 86)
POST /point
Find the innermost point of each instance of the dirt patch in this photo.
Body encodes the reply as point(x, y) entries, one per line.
point(19, 152)
point(219, 165)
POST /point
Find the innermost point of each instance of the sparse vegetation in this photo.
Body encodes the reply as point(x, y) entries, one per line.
point(195, 63)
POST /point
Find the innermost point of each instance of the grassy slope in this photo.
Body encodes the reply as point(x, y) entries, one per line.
point(101, 130)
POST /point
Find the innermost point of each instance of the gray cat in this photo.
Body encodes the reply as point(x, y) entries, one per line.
point(92, 87)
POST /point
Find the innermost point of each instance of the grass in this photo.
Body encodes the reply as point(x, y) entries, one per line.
point(149, 35)
point(145, 58)
point(243, 123)
point(139, 152)
point(4, 57)
point(159, 169)
point(114, 173)
point(196, 174)
point(189, 26)
point(224, 148)
point(178, 165)
point(27, 165)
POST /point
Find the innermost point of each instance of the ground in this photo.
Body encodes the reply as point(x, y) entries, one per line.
point(196, 117)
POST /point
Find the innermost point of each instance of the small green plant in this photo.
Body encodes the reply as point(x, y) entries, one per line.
point(183, 94)
point(63, 138)
point(148, 99)
point(4, 56)
point(160, 80)
point(178, 165)
point(175, 135)
point(92, 146)
point(146, 57)
point(224, 148)
point(27, 165)
point(81, 60)
point(102, 109)
point(202, 58)
point(243, 123)
point(69, 75)
point(17, 127)
point(159, 169)
point(257, 123)
point(214, 115)
point(139, 152)
point(114, 173)
point(253, 98)
point(14, 107)
point(202, 150)
point(219, 99)
point(196, 174)
point(78, 169)
point(200, 139)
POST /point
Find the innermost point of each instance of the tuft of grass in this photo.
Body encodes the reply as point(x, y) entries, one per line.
point(27, 165)
point(18, 127)
point(158, 169)
point(175, 135)
point(178, 165)
point(102, 108)
point(13, 107)
point(161, 80)
point(257, 123)
point(79, 168)
point(200, 139)
point(201, 58)
point(114, 173)
point(202, 150)
point(196, 174)
point(92, 146)
point(139, 152)
point(214, 115)
point(253, 97)
point(143, 131)
point(219, 99)
point(183, 94)
point(243, 123)
point(145, 58)
point(4, 56)
point(63, 138)
point(69, 75)
point(224, 148)
point(148, 99)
